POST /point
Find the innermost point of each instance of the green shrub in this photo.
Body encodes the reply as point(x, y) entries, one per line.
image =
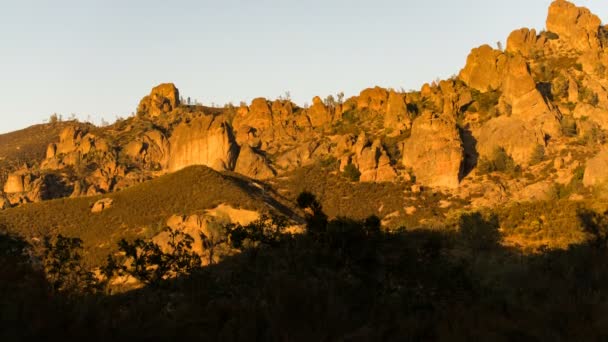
point(351, 172)
point(499, 161)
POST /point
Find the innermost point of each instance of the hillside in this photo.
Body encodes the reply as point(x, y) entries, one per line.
point(140, 211)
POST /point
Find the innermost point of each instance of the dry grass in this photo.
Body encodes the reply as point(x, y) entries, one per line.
point(139, 211)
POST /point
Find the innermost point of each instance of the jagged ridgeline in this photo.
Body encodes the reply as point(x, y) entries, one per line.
point(524, 124)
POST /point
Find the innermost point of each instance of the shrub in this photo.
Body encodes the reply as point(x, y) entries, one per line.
point(569, 127)
point(587, 95)
point(538, 155)
point(352, 173)
point(559, 87)
point(499, 161)
point(479, 233)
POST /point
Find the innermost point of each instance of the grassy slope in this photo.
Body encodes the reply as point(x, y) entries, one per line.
point(138, 211)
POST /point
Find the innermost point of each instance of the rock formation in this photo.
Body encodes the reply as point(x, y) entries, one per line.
point(436, 161)
point(163, 99)
point(484, 68)
point(577, 26)
point(252, 164)
point(205, 140)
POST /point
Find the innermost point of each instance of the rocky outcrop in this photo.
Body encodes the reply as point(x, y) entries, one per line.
point(596, 170)
point(514, 135)
point(258, 115)
point(525, 41)
point(163, 98)
point(484, 68)
point(101, 205)
point(373, 99)
point(205, 140)
point(396, 118)
point(576, 26)
point(252, 164)
point(526, 102)
point(434, 151)
point(318, 114)
point(371, 160)
point(151, 149)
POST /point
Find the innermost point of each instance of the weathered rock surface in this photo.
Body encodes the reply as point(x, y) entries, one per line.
point(527, 103)
point(575, 25)
point(252, 164)
point(525, 42)
point(318, 113)
point(163, 99)
point(373, 99)
point(596, 170)
point(484, 68)
point(101, 205)
point(516, 136)
point(205, 140)
point(436, 162)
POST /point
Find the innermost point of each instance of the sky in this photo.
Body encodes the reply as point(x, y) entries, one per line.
point(97, 58)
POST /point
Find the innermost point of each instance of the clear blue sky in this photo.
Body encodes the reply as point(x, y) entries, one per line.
point(97, 58)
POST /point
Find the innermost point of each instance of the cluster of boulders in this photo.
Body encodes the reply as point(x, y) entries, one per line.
point(442, 130)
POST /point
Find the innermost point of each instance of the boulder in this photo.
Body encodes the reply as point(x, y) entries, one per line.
point(258, 116)
point(396, 117)
point(519, 90)
point(373, 99)
point(525, 42)
point(318, 113)
point(205, 140)
point(101, 205)
point(596, 170)
point(15, 183)
point(516, 136)
point(576, 26)
point(162, 99)
point(252, 164)
point(434, 151)
point(484, 68)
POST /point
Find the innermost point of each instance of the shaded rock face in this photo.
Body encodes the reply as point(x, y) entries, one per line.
point(596, 170)
point(205, 140)
point(525, 42)
point(162, 99)
point(436, 161)
point(252, 164)
point(484, 68)
point(577, 26)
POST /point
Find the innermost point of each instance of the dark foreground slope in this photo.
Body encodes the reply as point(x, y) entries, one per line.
point(342, 281)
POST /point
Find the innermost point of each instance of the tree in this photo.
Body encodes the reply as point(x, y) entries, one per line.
point(54, 118)
point(62, 263)
point(351, 172)
point(148, 263)
point(340, 97)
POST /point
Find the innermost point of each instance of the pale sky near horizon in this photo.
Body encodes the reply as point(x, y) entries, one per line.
point(98, 58)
